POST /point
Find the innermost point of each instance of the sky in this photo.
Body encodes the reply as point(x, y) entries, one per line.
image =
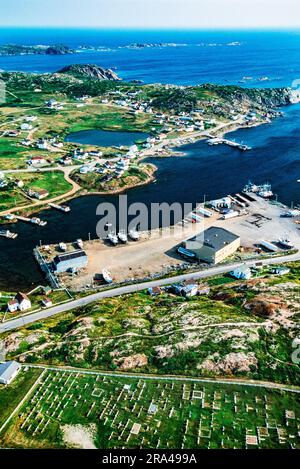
point(151, 13)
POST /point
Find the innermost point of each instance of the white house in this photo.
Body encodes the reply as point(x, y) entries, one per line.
point(20, 302)
point(23, 300)
point(42, 145)
point(37, 160)
point(47, 302)
point(242, 273)
point(31, 118)
point(12, 306)
point(26, 126)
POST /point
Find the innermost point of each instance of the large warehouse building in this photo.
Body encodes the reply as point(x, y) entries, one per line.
point(213, 245)
point(73, 260)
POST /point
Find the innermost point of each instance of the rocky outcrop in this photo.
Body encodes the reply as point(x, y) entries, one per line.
point(132, 362)
point(232, 363)
point(90, 71)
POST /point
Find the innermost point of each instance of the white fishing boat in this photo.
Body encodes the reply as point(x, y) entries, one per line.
point(122, 237)
point(62, 247)
point(134, 235)
point(79, 243)
point(107, 276)
point(113, 238)
point(285, 242)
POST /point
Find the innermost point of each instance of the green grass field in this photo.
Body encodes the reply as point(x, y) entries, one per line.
point(53, 181)
point(12, 395)
point(131, 412)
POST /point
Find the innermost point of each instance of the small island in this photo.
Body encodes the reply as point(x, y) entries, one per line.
point(16, 49)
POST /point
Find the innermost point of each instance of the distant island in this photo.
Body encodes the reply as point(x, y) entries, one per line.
point(15, 49)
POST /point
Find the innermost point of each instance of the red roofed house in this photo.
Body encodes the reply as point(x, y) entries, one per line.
point(12, 306)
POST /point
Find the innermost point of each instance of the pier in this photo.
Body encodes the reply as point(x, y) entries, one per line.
point(34, 221)
point(53, 280)
point(62, 208)
point(8, 234)
point(230, 143)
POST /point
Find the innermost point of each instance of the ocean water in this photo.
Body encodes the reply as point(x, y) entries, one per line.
point(267, 58)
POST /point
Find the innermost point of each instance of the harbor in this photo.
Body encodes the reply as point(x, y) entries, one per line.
point(196, 175)
point(259, 224)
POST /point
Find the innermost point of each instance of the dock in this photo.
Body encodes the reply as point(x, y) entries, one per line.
point(46, 268)
point(230, 143)
point(8, 234)
point(62, 208)
point(34, 220)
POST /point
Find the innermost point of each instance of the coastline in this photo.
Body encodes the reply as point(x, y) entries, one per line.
point(170, 146)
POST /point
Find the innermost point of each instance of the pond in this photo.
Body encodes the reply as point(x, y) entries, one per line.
point(106, 138)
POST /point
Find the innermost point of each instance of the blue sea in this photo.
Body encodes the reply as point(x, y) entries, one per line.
point(250, 58)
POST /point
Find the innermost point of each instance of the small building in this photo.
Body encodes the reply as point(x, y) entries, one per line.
point(280, 270)
point(213, 245)
point(154, 291)
point(8, 371)
point(203, 290)
point(189, 290)
point(47, 302)
point(41, 194)
point(242, 272)
point(152, 409)
point(26, 127)
point(19, 183)
point(12, 306)
point(35, 160)
point(70, 261)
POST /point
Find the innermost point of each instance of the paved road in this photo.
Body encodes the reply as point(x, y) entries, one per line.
point(38, 316)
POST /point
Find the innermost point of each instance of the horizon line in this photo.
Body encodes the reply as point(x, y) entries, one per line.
point(157, 28)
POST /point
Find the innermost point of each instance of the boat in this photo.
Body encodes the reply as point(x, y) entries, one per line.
point(134, 235)
point(63, 208)
point(8, 234)
point(9, 216)
point(79, 243)
point(113, 238)
point(38, 221)
point(122, 237)
point(250, 187)
point(106, 276)
point(285, 242)
point(186, 253)
point(265, 191)
point(62, 247)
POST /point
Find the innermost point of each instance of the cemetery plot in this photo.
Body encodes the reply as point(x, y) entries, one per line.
point(128, 412)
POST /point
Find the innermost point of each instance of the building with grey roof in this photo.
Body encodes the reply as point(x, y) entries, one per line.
point(8, 372)
point(73, 260)
point(213, 245)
